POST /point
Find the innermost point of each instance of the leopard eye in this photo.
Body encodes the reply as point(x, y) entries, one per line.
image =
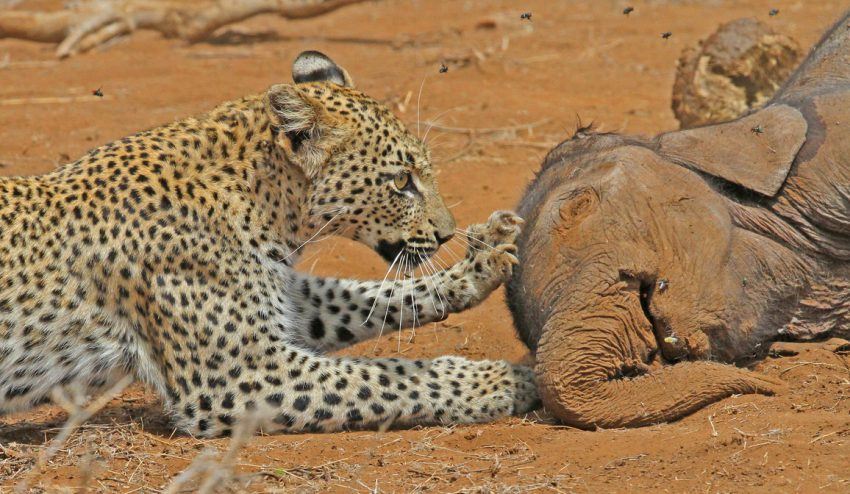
point(402, 181)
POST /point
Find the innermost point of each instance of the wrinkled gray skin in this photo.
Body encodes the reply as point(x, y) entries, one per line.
point(648, 266)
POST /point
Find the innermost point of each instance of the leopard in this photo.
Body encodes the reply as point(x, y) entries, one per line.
point(169, 258)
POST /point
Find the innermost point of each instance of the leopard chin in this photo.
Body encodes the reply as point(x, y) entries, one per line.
point(390, 251)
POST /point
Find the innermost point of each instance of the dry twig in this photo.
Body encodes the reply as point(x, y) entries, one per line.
point(801, 364)
point(93, 23)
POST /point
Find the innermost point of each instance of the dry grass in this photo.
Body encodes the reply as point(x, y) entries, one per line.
point(114, 454)
point(78, 414)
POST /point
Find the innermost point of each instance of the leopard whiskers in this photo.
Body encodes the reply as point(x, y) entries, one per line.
point(339, 212)
point(418, 99)
point(439, 265)
point(470, 237)
point(466, 244)
point(425, 267)
point(435, 279)
point(408, 285)
point(437, 143)
point(434, 121)
point(415, 304)
point(401, 289)
point(451, 251)
point(389, 303)
point(423, 275)
point(321, 234)
point(433, 276)
point(404, 285)
point(320, 252)
point(381, 290)
point(441, 262)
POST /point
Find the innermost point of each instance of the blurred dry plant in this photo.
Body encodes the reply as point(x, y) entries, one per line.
point(219, 473)
point(87, 24)
point(77, 415)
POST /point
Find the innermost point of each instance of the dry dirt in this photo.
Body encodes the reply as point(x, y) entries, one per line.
point(529, 78)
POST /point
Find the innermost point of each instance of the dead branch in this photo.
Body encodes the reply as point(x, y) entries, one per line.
point(800, 364)
point(93, 23)
point(52, 100)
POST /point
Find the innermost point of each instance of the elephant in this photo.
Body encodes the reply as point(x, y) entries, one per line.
point(651, 267)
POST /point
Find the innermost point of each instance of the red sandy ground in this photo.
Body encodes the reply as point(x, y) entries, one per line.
point(573, 58)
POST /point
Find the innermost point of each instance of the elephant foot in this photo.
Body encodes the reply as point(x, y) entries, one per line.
point(789, 348)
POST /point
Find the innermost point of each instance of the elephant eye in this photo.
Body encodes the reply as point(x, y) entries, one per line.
point(403, 181)
point(580, 204)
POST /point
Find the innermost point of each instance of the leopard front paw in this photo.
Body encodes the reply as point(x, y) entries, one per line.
point(492, 253)
point(502, 228)
point(525, 395)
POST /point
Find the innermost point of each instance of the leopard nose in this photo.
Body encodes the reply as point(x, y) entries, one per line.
point(441, 240)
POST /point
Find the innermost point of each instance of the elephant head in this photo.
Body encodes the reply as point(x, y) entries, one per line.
point(649, 265)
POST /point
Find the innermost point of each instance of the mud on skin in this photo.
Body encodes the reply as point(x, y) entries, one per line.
point(747, 231)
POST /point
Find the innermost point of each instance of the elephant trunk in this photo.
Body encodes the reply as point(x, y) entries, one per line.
point(594, 371)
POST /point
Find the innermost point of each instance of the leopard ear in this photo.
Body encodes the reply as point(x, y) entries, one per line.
point(314, 66)
point(309, 131)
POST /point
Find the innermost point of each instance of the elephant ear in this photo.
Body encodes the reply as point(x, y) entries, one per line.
point(755, 152)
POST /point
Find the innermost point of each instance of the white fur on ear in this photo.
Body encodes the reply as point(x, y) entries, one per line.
point(314, 66)
point(309, 131)
point(296, 112)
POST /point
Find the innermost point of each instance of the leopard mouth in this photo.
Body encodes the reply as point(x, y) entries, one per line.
point(419, 255)
point(392, 252)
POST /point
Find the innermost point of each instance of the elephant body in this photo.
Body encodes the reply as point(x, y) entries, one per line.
point(648, 267)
